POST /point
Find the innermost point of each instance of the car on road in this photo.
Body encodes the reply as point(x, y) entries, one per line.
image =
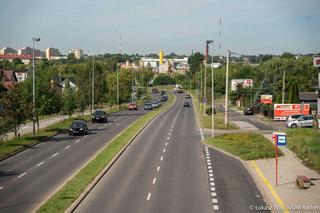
point(164, 98)
point(302, 121)
point(99, 116)
point(159, 102)
point(132, 106)
point(78, 127)
point(293, 117)
point(248, 111)
point(186, 104)
point(187, 96)
point(147, 105)
point(155, 90)
point(155, 104)
point(162, 92)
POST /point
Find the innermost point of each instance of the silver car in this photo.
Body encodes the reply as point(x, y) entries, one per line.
point(302, 121)
point(293, 117)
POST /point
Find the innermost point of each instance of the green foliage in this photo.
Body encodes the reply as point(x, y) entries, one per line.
point(294, 93)
point(163, 79)
point(195, 62)
point(69, 99)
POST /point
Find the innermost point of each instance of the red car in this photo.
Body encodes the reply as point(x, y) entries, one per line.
point(132, 106)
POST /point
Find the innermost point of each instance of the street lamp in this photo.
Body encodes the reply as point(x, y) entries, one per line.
point(33, 88)
point(212, 95)
point(205, 75)
point(92, 96)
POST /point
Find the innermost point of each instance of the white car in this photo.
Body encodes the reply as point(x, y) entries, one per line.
point(293, 117)
point(302, 121)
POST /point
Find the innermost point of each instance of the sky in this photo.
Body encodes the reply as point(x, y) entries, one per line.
point(179, 26)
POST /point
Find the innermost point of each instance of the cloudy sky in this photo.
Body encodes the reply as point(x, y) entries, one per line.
point(180, 26)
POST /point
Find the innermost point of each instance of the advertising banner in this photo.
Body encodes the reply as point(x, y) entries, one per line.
point(245, 83)
point(316, 61)
point(266, 99)
point(282, 111)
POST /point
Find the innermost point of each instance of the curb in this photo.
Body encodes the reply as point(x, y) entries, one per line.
point(91, 186)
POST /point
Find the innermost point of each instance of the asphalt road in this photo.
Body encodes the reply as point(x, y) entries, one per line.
point(28, 178)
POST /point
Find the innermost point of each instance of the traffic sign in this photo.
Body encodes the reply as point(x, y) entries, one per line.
point(282, 140)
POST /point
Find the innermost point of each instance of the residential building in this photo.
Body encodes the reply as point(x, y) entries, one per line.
point(26, 59)
point(7, 50)
point(25, 51)
point(52, 52)
point(78, 53)
point(21, 75)
point(70, 81)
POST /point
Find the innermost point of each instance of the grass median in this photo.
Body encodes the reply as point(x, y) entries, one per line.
point(61, 200)
point(247, 146)
point(305, 143)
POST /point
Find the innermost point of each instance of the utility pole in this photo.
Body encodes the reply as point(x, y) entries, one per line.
point(118, 86)
point(33, 90)
point(283, 86)
point(92, 96)
point(200, 93)
point(227, 88)
point(212, 96)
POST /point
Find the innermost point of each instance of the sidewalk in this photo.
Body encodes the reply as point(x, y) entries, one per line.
point(285, 197)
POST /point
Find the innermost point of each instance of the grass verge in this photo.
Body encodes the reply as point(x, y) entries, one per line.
point(305, 143)
point(61, 200)
point(14, 145)
point(205, 120)
point(247, 146)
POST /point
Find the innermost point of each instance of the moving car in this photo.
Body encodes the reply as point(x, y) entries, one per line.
point(147, 105)
point(164, 98)
point(132, 106)
point(162, 92)
point(78, 127)
point(155, 90)
point(186, 104)
point(302, 121)
point(248, 111)
point(159, 102)
point(99, 116)
point(187, 96)
point(155, 104)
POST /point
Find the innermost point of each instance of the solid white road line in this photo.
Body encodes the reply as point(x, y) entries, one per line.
point(54, 155)
point(22, 175)
point(149, 195)
point(154, 180)
point(39, 164)
point(161, 158)
point(67, 147)
point(158, 168)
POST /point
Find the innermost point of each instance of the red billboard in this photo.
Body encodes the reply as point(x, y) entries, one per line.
point(282, 111)
point(266, 99)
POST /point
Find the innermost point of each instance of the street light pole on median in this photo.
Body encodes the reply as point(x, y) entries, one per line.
point(92, 96)
point(212, 95)
point(33, 89)
point(227, 87)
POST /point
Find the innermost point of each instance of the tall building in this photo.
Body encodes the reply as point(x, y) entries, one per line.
point(25, 51)
point(161, 57)
point(52, 52)
point(78, 53)
point(7, 50)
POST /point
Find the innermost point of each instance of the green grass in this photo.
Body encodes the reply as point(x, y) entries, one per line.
point(305, 143)
point(14, 145)
point(247, 146)
point(60, 201)
point(205, 120)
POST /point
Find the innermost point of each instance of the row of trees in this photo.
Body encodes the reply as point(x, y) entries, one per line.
point(16, 103)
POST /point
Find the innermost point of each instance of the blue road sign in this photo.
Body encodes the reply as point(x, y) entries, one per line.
point(281, 140)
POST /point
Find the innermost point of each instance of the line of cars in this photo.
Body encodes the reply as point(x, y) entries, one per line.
point(152, 104)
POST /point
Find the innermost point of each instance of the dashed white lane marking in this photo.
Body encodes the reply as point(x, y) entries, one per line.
point(164, 150)
point(209, 163)
point(117, 124)
point(169, 133)
point(23, 174)
point(154, 180)
point(168, 138)
point(100, 127)
point(166, 144)
point(211, 178)
point(213, 194)
point(210, 171)
point(212, 184)
point(215, 207)
point(39, 164)
point(54, 155)
point(104, 124)
point(1, 187)
point(67, 147)
point(86, 136)
point(148, 197)
point(161, 158)
point(212, 189)
point(214, 200)
point(202, 137)
point(77, 141)
point(209, 167)
point(158, 168)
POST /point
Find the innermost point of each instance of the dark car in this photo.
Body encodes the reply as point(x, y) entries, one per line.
point(164, 98)
point(187, 96)
point(147, 105)
point(186, 104)
point(155, 90)
point(99, 116)
point(248, 111)
point(162, 92)
point(78, 127)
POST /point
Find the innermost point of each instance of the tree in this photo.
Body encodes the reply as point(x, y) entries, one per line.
point(69, 102)
point(163, 79)
point(294, 93)
point(16, 110)
point(195, 61)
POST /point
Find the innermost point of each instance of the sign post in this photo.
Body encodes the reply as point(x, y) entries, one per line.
point(280, 139)
point(316, 63)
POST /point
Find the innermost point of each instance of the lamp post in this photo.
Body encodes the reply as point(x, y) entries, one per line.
point(92, 96)
point(227, 85)
point(205, 75)
point(283, 86)
point(212, 95)
point(118, 87)
point(33, 88)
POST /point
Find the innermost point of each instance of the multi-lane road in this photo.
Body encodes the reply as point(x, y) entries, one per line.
point(165, 169)
point(28, 178)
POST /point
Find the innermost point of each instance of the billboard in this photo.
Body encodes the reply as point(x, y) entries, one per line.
point(281, 111)
point(244, 82)
point(266, 99)
point(316, 61)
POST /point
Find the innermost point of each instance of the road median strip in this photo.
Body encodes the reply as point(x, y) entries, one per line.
point(77, 187)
